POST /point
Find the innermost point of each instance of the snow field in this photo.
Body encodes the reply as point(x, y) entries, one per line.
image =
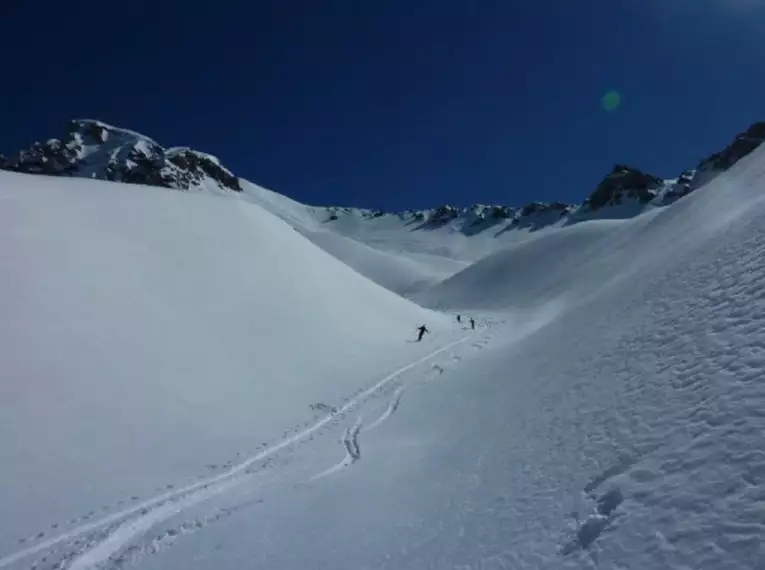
point(608, 413)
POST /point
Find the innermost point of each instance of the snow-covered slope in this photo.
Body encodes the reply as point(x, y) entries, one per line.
point(387, 261)
point(439, 242)
point(405, 252)
point(620, 430)
point(606, 412)
point(563, 266)
point(719, 162)
point(145, 334)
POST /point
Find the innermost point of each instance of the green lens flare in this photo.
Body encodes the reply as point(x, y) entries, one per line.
point(611, 101)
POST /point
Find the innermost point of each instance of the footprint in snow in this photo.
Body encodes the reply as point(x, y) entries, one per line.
point(594, 525)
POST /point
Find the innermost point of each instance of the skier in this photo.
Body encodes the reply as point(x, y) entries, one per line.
point(459, 318)
point(422, 330)
point(472, 323)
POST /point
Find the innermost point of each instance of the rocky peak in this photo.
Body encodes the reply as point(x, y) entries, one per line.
point(91, 132)
point(537, 208)
point(93, 149)
point(624, 181)
point(499, 212)
point(445, 213)
point(742, 145)
point(469, 220)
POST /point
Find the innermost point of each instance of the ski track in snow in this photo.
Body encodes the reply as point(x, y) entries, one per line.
point(350, 442)
point(156, 509)
point(103, 550)
point(350, 436)
point(166, 538)
point(390, 410)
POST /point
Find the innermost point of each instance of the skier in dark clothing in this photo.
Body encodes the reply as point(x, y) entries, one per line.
point(422, 330)
point(472, 323)
point(459, 318)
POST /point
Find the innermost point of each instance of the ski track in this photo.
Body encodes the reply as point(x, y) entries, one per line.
point(350, 442)
point(390, 410)
point(202, 489)
point(169, 536)
point(347, 460)
point(350, 438)
point(350, 435)
point(132, 529)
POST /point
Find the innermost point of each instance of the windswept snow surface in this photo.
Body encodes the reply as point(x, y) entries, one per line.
point(606, 412)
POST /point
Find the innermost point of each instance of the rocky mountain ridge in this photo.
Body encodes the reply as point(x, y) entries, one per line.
point(94, 149)
point(625, 186)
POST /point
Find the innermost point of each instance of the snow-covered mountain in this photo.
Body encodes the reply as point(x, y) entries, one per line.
point(406, 252)
point(92, 149)
point(722, 161)
point(232, 381)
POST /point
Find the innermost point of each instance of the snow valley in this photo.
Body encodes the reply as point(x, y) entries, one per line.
point(199, 372)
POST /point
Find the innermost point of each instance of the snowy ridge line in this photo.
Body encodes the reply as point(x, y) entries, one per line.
point(241, 467)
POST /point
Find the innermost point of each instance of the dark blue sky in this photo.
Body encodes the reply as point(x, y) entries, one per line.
point(396, 103)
